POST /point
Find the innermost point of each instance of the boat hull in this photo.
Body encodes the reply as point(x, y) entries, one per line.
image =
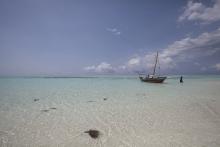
point(153, 80)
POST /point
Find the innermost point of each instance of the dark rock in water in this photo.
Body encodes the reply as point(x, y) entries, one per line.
point(45, 110)
point(90, 101)
point(105, 99)
point(93, 133)
point(54, 108)
point(36, 100)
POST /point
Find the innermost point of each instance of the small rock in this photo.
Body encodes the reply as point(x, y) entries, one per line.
point(36, 100)
point(90, 101)
point(45, 110)
point(93, 133)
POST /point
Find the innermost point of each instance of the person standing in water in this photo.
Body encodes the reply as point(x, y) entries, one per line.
point(181, 79)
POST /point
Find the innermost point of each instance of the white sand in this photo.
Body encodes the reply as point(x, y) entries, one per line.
point(135, 115)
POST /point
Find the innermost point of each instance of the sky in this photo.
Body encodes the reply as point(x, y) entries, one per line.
point(79, 37)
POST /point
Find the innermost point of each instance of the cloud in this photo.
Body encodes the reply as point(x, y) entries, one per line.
point(146, 62)
point(217, 66)
point(198, 11)
point(205, 44)
point(182, 51)
point(89, 68)
point(134, 61)
point(114, 31)
point(101, 68)
point(196, 64)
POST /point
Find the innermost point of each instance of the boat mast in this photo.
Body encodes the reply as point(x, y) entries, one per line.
point(155, 64)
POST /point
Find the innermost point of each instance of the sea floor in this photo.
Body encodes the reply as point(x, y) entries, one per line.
point(49, 112)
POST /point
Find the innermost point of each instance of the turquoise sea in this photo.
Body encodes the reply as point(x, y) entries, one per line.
point(55, 112)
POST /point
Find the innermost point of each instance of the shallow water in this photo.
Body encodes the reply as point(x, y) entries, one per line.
point(134, 113)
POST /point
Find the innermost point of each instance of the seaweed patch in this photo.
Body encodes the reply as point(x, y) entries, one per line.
point(91, 101)
point(93, 133)
point(36, 100)
point(45, 110)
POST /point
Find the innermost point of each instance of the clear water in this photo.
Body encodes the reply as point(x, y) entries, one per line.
point(134, 114)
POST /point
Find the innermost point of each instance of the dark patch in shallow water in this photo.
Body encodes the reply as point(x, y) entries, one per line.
point(36, 100)
point(105, 99)
point(54, 108)
point(93, 133)
point(91, 101)
point(45, 110)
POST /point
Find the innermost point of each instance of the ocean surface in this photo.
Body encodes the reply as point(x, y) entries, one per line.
point(55, 112)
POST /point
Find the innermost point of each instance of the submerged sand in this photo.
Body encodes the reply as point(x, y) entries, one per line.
point(134, 114)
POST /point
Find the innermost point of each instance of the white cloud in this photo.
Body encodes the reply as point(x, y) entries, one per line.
point(101, 68)
point(117, 33)
point(184, 50)
point(205, 44)
point(147, 61)
point(122, 67)
point(165, 61)
point(217, 66)
point(90, 68)
point(134, 61)
point(196, 64)
point(198, 11)
point(114, 31)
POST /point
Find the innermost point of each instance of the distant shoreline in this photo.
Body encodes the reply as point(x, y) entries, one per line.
point(112, 76)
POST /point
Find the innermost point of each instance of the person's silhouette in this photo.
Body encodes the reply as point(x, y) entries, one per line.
point(181, 79)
